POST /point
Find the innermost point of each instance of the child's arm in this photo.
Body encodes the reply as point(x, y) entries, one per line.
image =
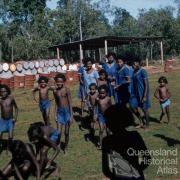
point(17, 172)
point(34, 92)
point(168, 93)
point(156, 94)
point(145, 90)
point(34, 161)
point(54, 146)
point(70, 103)
point(16, 109)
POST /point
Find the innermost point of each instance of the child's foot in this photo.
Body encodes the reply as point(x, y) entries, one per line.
point(139, 126)
point(99, 147)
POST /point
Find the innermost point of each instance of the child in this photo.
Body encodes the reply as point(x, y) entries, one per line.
point(103, 102)
point(91, 99)
point(44, 102)
point(141, 91)
point(44, 137)
point(162, 94)
point(23, 160)
point(102, 80)
point(64, 107)
point(7, 103)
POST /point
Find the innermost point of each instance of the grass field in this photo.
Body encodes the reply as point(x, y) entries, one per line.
point(83, 160)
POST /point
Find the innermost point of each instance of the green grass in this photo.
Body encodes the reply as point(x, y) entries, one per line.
point(83, 161)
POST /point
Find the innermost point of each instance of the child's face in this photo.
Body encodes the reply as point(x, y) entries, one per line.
point(120, 62)
point(60, 82)
point(92, 89)
point(102, 93)
point(102, 76)
point(3, 92)
point(162, 83)
point(136, 65)
point(42, 84)
point(89, 65)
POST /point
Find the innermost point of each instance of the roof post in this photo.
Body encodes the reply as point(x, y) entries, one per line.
point(105, 47)
point(81, 53)
point(58, 56)
point(162, 53)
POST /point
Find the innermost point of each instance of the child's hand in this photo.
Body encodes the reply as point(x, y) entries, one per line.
point(144, 100)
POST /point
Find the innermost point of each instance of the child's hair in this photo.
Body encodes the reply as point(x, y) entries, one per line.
point(6, 87)
point(43, 78)
point(111, 54)
point(17, 147)
point(88, 59)
point(103, 87)
point(92, 84)
point(102, 71)
point(35, 131)
point(163, 78)
point(62, 76)
point(120, 57)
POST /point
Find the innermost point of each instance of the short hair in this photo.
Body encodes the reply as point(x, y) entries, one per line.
point(120, 57)
point(102, 71)
point(17, 147)
point(6, 87)
point(164, 79)
point(62, 76)
point(92, 84)
point(35, 131)
point(43, 78)
point(111, 54)
point(88, 59)
point(103, 87)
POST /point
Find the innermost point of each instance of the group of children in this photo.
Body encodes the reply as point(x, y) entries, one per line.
point(126, 85)
point(40, 134)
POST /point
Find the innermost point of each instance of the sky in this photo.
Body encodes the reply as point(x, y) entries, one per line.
point(131, 6)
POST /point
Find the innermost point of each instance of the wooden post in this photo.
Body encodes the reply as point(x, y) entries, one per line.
point(58, 55)
point(81, 53)
point(162, 54)
point(99, 54)
point(105, 47)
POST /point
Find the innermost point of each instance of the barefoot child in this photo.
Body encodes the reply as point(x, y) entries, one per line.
point(44, 137)
point(44, 102)
point(91, 100)
point(64, 112)
point(162, 94)
point(103, 102)
point(23, 161)
point(102, 80)
point(7, 103)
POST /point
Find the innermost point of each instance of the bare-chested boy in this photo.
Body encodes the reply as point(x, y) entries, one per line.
point(103, 102)
point(162, 94)
point(8, 104)
point(44, 101)
point(91, 100)
point(64, 112)
point(102, 80)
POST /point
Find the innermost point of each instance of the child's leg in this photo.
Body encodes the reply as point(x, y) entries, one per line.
point(146, 116)
point(45, 115)
point(59, 128)
point(168, 113)
point(66, 133)
point(82, 107)
point(7, 171)
point(162, 114)
point(101, 131)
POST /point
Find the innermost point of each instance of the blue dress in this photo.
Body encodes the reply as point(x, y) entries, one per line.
point(81, 91)
point(123, 93)
point(111, 71)
point(89, 78)
point(139, 88)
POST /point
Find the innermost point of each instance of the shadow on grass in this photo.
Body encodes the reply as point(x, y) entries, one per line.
point(76, 110)
point(170, 141)
point(152, 119)
point(93, 139)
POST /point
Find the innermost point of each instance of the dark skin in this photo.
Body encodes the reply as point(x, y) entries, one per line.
point(162, 93)
point(43, 95)
point(103, 102)
point(93, 94)
point(102, 80)
point(136, 67)
point(43, 148)
point(7, 104)
point(110, 63)
point(63, 100)
point(24, 167)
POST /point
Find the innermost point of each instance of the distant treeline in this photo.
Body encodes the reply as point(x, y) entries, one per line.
point(28, 28)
